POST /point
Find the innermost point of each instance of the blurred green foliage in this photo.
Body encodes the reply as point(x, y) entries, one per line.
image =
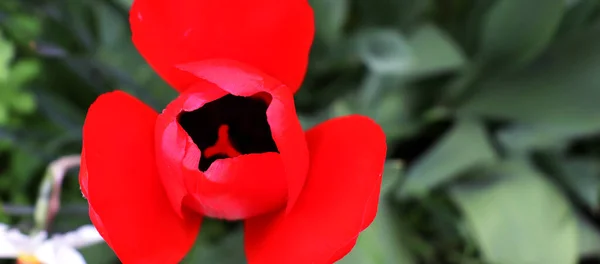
point(491, 109)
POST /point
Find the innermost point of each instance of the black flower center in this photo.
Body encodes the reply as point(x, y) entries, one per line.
point(229, 127)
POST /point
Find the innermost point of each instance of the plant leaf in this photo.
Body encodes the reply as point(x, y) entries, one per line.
point(560, 89)
point(510, 37)
point(463, 147)
point(434, 51)
point(382, 241)
point(520, 218)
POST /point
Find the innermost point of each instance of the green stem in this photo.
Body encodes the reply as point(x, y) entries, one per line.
point(48, 201)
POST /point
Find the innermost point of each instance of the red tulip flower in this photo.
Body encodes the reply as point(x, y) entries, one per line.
point(230, 146)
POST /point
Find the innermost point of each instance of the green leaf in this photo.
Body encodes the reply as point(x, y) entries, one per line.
point(23, 103)
point(374, 88)
point(3, 114)
point(516, 31)
point(125, 4)
point(6, 55)
point(3, 217)
point(60, 111)
point(111, 28)
point(120, 61)
point(22, 166)
point(381, 242)
point(462, 148)
point(99, 254)
point(519, 217)
point(582, 176)
point(12, 97)
point(384, 51)
point(391, 112)
point(527, 137)
point(401, 13)
point(23, 71)
point(229, 250)
point(23, 28)
point(434, 51)
point(589, 238)
point(330, 17)
point(560, 89)
point(578, 15)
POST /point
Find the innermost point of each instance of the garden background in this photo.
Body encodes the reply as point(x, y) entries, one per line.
point(491, 110)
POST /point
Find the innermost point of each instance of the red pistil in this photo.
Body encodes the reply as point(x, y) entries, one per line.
point(223, 145)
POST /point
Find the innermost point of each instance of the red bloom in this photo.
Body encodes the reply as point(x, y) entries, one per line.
point(230, 146)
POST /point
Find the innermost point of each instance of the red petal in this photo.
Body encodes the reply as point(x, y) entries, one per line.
point(179, 151)
point(177, 156)
point(242, 187)
point(338, 201)
point(83, 185)
point(233, 188)
point(271, 35)
point(127, 201)
point(83, 177)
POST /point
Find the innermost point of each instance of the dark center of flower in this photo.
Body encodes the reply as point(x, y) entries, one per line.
point(229, 127)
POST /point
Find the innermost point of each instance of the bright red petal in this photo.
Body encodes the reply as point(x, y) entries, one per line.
point(177, 156)
point(242, 187)
point(83, 185)
point(127, 201)
point(272, 35)
point(233, 188)
point(338, 201)
point(241, 80)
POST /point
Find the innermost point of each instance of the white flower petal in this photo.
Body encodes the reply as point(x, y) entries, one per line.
point(12, 242)
point(24, 243)
point(37, 239)
point(82, 237)
point(7, 249)
point(51, 253)
point(69, 255)
point(46, 253)
point(60, 249)
point(16, 236)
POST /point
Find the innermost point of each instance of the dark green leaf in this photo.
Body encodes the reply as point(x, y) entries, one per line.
point(382, 242)
point(434, 52)
point(6, 55)
point(589, 238)
point(228, 250)
point(384, 51)
point(560, 89)
point(462, 148)
point(516, 31)
point(330, 17)
point(583, 177)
